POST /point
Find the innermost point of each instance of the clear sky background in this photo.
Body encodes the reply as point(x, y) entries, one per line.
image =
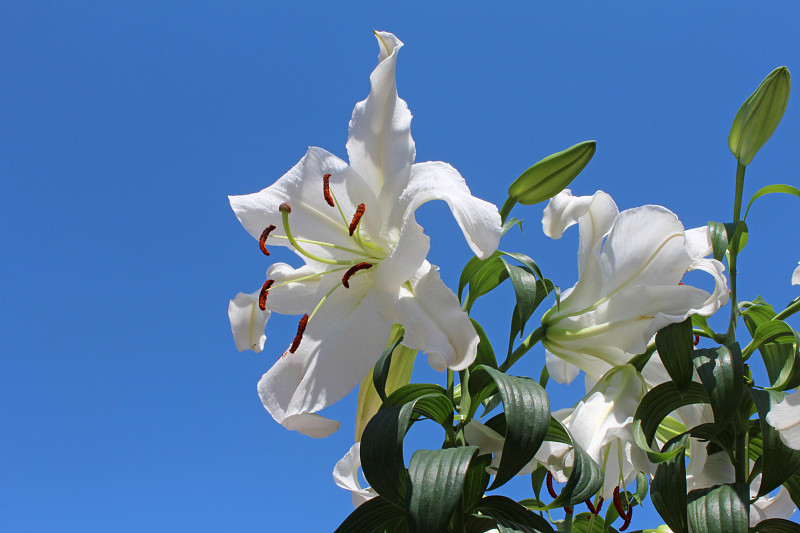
point(124, 126)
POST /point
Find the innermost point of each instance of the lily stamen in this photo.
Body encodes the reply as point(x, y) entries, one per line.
point(549, 483)
point(626, 516)
point(263, 239)
point(352, 270)
point(592, 509)
point(262, 296)
point(326, 190)
point(301, 328)
point(357, 218)
point(285, 210)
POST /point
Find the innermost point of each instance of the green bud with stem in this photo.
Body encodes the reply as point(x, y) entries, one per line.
point(759, 115)
point(552, 174)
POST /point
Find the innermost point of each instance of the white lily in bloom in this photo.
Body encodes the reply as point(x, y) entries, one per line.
point(785, 417)
point(716, 469)
point(364, 254)
point(345, 474)
point(796, 275)
point(630, 265)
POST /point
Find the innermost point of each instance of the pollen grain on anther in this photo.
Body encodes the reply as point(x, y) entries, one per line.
point(326, 189)
point(301, 328)
point(352, 270)
point(262, 296)
point(357, 218)
point(262, 241)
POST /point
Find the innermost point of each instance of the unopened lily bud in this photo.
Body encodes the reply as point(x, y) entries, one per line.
point(552, 174)
point(759, 115)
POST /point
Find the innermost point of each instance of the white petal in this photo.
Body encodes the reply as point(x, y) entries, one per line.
point(479, 220)
point(488, 441)
point(785, 417)
point(340, 345)
point(778, 506)
point(311, 217)
point(796, 275)
point(596, 214)
point(434, 322)
point(559, 369)
point(379, 144)
point(248, 322)
point(290, 297)
point(345, 475)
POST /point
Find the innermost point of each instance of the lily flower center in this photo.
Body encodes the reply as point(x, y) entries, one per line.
point(361, 256)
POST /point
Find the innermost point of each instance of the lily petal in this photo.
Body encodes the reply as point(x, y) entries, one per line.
point(434, 321)
point(379, 145)
point(785, 417)
point(796, 275)
point(311, 218)
point(345, 475)
point(248, 322)
point(341, 343)
point(479, 220)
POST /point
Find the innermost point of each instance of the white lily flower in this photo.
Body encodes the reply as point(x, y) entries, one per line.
point(716, 469)
point(345, 474)
point(630, 265)
point(364, 254)
point(796, 275)
point(785, 417)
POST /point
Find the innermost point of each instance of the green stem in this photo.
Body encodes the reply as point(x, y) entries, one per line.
point(742, 460)
point(537, 335)
point(791, 309)
point(730, 336)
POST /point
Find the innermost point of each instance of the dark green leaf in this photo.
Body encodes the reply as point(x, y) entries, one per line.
point(472, 268)
point(537, 478)
point(524, 282)
point(779, 462)
point(775, 525)
point(661, 401)
point(771, 189)
point(376, 515)
point(412, 391)
point(720, 509)
point(589, 523)
point(675, 345)
point(668, 489)
point(508, 513)
point(485, 352)
point(381, 370)
point(772, 331)
point(719, 239)
point(436, 481)
point(476, 481)
point(722, 373)
point(527, 413)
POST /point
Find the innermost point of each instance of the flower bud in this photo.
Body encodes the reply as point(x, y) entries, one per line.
point(552, 174)
point(759, 115)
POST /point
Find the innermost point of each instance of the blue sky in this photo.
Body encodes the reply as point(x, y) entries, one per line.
point(124, 126)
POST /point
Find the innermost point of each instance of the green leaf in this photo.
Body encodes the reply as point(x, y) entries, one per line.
point(412, 391)
point(721, 371)
point(585, 479)
point(380, 372)
point(668, 489)
point(675, 345)
point(793, 486)
point(537, 478)
point(719, 239)
point(781, 360)
point(382, 441)
point(485, 352)
point(476, 481)
point(436, 481)
point(772, 331)
point(720, 509)
point(510, 223)
point(775, 525)
point(511, 515)
point(661, 401)
point(524, 282)
point(589, 523)
point(376, 515)
point(779, 462)
point(771, 189)
point(527, 413)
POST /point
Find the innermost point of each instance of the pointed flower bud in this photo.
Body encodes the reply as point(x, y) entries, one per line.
point(552, 174)
point(759, 115)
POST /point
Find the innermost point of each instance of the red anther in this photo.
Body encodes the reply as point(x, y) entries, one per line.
point(599, 504)
point(627, 519)
point(301, 327)
point(591, 507)
point(285, 208)
point(696, 340)
point(618, 503)
point(263, 240)
point(262, 297)
point(568, 509)
point(357, 218)
point(352, 270)
point(326, 189)
point(549, 483)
